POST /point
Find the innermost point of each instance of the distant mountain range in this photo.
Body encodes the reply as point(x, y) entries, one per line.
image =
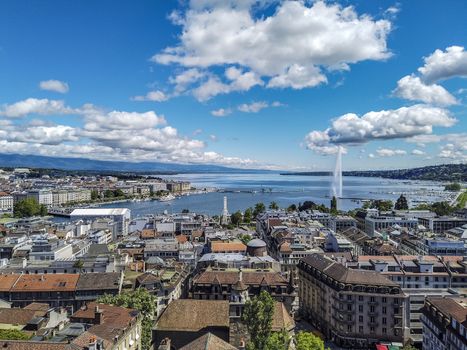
point(444, 172)
point(31, 161)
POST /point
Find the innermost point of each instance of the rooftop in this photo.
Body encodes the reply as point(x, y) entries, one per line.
point(100, 211)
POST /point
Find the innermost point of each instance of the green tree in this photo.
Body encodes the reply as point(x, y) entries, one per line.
point(236, 218)
point(119, 193)
point(141, 300)
point(245, 238)
point(248, 215)
point(94, 195)
point(333, 204)
point(401, 203)
point(26, 208)
point(109, 194)
point(278, 341)
point(257, 316)
point(442, 208)
point(13, 334)
point(453, 187)
point(308, 341)
point(43, 210)
point(409, 347)
point(381, 205)
point(259, 208)
point(273, 205)
point(292, 208)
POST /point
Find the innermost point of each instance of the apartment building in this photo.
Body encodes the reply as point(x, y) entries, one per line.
point(353, 308)
point(380, 223)
point(218, 284)
point(443, 223)
point(419, 277)
point(64, 289)
point(6, 202)
point(445, 323)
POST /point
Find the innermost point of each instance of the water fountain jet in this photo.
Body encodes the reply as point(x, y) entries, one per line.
point(337, 175)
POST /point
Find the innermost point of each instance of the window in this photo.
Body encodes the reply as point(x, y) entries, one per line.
point(360, 298)
point(360, 329)
point(383, 321)
point(384, 309)
point(360, 308)
point(360, 318)
point(349, 328)
point(384, 330)
point(384, 299)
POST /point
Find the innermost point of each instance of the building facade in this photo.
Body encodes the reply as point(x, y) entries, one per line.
point(354, 309)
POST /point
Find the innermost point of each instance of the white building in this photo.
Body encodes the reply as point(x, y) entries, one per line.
point(6, 202)
point(122, 216)
point(44, 197)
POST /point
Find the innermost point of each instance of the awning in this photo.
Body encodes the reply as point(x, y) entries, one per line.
point(381, 347)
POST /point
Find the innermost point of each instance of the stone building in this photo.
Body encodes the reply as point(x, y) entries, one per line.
point(353, 308)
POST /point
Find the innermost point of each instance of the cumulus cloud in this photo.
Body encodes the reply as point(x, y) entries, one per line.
point(291, 47)
point(405, 122)
point(237, 80)
point(417, 152)
point(413, 88)
point(388, 152)
point(253, 107)
point(156, 96)
point(185, 79)
point(122, 120)
point(446, 64)
point(105, 135)
point(221, 112)
point(35, 106)
point(452, 146)
point(54, 85)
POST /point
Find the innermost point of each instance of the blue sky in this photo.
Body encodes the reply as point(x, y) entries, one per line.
point(261, 84)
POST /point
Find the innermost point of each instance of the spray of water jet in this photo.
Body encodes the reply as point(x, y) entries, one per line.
point(337, 176)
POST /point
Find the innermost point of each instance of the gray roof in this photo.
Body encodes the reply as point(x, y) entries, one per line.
point(256, 243)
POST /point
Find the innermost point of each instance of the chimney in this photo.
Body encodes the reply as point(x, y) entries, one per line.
point(92, 345)
point(165, 344)
point(98, 315)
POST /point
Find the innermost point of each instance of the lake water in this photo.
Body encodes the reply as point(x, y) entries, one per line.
point(285, 190)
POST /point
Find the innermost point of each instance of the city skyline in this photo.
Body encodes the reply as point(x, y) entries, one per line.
point(249, 84)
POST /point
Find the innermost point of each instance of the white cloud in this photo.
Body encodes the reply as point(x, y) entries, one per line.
point(371, 155)
point(54, 85)
point(253, 107)
point(197, 132)
point(185, 79)
point(388, 152)
point(447, 64)
point(417, 152)
point(213, 138)
point(405, 122)
point(290, 46)
point(35, 106)
point(221, 112)
point(452, 146)
point(298, 77)
point(123, 121)
point(413, 88)
point(156, 96)
point(237, 81)
point(114, 135)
